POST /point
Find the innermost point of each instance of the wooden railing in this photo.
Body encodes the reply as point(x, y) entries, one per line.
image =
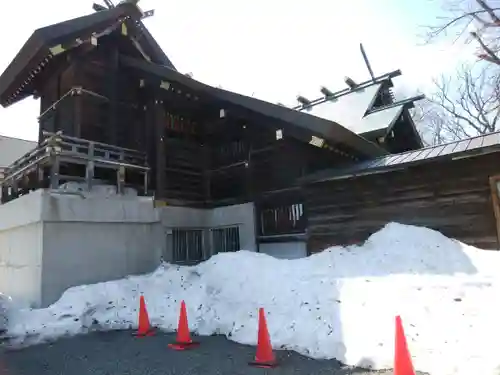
point(29, 171)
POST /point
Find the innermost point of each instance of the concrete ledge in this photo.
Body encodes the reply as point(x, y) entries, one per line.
point(96, 209)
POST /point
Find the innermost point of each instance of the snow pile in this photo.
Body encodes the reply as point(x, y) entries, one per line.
point(340, 303)
point(6, 310)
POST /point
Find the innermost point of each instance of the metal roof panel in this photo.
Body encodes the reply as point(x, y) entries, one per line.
point(448, 149)
point(476, 142)
point(457, 148)
point(462, 145)
point(490, 139)
point(423, 154)
point(436, 151)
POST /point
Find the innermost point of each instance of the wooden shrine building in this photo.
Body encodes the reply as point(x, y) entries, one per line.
point(114, 108)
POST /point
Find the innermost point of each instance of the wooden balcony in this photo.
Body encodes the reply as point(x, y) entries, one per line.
point(59, 159)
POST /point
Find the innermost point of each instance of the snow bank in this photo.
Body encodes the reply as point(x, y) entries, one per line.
point(340, 303)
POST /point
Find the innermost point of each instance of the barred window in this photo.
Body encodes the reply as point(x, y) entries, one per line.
point(226, 239)
point(284, 219)
point(187, 245)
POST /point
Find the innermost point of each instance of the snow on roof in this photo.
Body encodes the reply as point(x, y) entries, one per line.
point(347, 110)
point(351, 107)
point(382, 119)
point(12, 149)
point(350, 110)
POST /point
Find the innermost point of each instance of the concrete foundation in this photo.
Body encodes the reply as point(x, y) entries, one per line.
point(284, 250)
point(51, 241)
point(241, 215)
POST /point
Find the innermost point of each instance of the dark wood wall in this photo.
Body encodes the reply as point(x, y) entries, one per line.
point(453, 197)
point(108, 109)
point(197, 157)
point(54, 114)
point(183, 157)
point(247, 160)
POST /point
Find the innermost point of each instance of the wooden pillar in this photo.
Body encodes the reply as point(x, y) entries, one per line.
point(249, 190)
point(77, 113)
point(160, 119)
point(89, 171)
point(5, 194)
point(112, 90)
point(206, 163)
point(54, 172)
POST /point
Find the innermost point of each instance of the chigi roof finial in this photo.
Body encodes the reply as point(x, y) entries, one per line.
point(110, 5)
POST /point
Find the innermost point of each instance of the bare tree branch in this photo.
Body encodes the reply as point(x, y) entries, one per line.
point(465, 105)
point(461, 15)
point(491, 12)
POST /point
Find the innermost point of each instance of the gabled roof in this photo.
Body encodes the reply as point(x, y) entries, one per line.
point(353, 107)
point(458, 149)
point(328, 130)
point(349, 109)
point(35, 53)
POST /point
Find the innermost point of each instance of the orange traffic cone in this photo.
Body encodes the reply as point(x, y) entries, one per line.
point(183, 340)
point(264, 356)
point(402, 357)
point(144, 328)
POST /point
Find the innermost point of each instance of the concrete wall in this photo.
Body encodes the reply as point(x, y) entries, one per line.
point(21, 249)
point(172, 217)
point(284, 250)
point(21, 263)
point(94, 240)
point(50, 242)
point(242, 215)
point(183, 217)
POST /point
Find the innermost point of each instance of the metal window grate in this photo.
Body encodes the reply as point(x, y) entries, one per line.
point(187, 245)
point(282, 220)
point(226, 239)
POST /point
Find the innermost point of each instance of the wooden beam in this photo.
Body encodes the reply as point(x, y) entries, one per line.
point(159, 120)
point(77, 114)
point(494, 180)
point(77, 102)
point(113, 79)
point(206, 162)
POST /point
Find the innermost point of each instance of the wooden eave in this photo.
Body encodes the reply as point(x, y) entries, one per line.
point(46, 42)
point(297, 124)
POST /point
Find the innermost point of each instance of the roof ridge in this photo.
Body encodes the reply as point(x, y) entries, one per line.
point(337, 94)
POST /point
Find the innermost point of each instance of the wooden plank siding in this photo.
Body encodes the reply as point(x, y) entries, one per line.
point(198, 155)
point(453, 197)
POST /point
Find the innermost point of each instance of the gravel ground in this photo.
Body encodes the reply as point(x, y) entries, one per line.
point(119, 353)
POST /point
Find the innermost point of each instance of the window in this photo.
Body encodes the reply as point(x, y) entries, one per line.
point(187, 245)
point(282, 219)
point(226, 239)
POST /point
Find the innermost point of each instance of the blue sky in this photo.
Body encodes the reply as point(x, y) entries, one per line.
point(272, 49)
